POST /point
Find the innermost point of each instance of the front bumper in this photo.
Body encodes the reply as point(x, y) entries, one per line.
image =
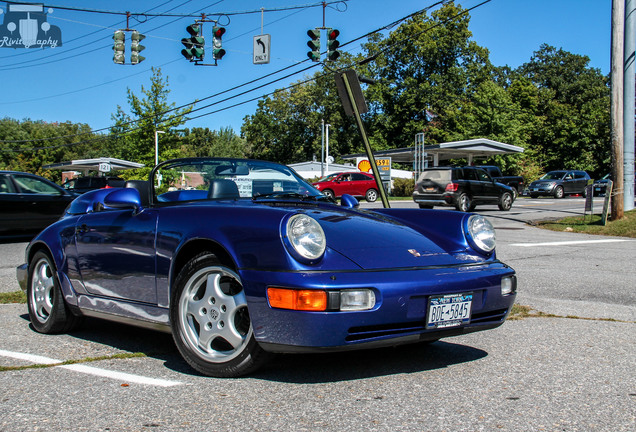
point(541, 189)
point(399, 316)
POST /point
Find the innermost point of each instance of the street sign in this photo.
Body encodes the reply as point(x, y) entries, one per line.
point(262, 49)
point(104, 167)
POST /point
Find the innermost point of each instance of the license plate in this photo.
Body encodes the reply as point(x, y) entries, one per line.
point(449, 310)
point(598, 189)
point(429, 189)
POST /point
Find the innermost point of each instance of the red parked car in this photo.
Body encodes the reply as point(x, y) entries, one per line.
point(358, 184)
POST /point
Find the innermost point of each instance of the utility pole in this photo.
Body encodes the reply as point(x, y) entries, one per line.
point(616, 106)
point(628, 100)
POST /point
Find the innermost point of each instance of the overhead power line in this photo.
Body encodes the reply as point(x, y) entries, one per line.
point(239, 86)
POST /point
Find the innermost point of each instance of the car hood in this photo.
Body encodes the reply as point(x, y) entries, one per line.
point(378, 241)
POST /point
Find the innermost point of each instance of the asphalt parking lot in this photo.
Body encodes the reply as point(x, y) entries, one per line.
point(568, 367)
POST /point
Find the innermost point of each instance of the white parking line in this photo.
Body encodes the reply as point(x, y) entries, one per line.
point(82, 368)
point(567, 243)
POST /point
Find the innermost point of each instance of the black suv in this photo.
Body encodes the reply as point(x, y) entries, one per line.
point(463, 188)
point(84, 184)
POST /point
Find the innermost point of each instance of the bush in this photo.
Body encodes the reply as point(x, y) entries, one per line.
point(403, 187)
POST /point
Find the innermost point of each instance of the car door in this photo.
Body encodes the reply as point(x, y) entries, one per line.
point(359, 184)
point(341, 184)
point(487, 188)
point(116, 253)
point(37, 202)
point(9, 205)
point(569, 182)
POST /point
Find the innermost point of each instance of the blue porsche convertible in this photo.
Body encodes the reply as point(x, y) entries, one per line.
point(240, 259)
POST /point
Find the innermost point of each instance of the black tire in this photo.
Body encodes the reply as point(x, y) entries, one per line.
point(211, 325)
point(464, 203)
point(505, 201)
point(558, 192)
point(371, 195)
point(425, 206)
point(48, 311)
point(329, 194)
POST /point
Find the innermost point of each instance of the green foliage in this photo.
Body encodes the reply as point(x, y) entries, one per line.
point(403, 187)
point(134, 134)
point(27, 145)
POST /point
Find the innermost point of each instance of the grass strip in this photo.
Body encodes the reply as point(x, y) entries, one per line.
point(76, 361)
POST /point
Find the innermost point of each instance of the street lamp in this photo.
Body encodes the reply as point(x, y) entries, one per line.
point(157, 132)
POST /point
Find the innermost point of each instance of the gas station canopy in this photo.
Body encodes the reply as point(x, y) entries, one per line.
point(467, 149)
point(102, 165)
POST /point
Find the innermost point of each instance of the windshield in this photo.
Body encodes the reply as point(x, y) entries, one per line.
point(554, 175)
point(329, 177)
point(220, 178)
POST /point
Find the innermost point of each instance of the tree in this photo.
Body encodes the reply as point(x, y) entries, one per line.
point(572, 111)
point(133, 135)
point(426, 64)
point(200, 142)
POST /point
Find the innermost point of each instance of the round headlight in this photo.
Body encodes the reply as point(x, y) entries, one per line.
point(482, 233)
point(306, 237)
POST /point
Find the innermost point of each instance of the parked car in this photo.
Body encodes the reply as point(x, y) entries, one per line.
point(600, 186)
point(80, 185)
point(560, 183)
point(515, 182)
point(358, 184)
point(29, 203)
point(463, 188)
point(256, 261)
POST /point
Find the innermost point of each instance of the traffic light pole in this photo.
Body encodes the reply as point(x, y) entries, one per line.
point(365, 140)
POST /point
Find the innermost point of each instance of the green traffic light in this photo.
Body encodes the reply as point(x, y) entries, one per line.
point(194, 29)
point(218, 53)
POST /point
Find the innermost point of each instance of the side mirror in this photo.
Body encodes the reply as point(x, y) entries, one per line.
point(349, 201)
point(126, 198)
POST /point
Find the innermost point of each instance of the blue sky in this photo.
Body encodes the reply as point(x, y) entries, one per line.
point(78, 82)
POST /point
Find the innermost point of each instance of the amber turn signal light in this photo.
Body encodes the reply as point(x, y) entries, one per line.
point(303, 300)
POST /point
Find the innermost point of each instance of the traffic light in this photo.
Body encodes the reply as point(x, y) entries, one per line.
point(314, 44)
point(217, 50)
point(194, 46)
point(332, 44)
point(119, 47)
point(136, 47)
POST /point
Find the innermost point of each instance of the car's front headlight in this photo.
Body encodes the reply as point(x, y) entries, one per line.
point(481, 233)
point(304, 238)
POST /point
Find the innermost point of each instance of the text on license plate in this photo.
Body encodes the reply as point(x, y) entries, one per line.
point(449, 310)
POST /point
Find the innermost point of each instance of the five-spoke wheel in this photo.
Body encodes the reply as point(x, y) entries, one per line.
point(210, 321)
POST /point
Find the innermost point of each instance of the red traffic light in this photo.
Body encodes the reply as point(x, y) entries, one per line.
point(333, 34)
point(217, 32)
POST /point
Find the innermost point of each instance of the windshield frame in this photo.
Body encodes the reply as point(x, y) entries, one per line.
point(220, 168)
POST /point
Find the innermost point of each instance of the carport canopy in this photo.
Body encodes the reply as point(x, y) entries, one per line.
point(102, 165)
point(467, 149)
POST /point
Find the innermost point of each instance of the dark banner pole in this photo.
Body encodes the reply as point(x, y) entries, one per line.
point(350, 80)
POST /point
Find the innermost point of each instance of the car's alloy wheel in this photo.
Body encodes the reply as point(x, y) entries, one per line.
point(210, 321)
point(558, 192)
point(328, 193)
point(47, 310)
point(372, 195)
point(464, 203)
point(505, 201)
